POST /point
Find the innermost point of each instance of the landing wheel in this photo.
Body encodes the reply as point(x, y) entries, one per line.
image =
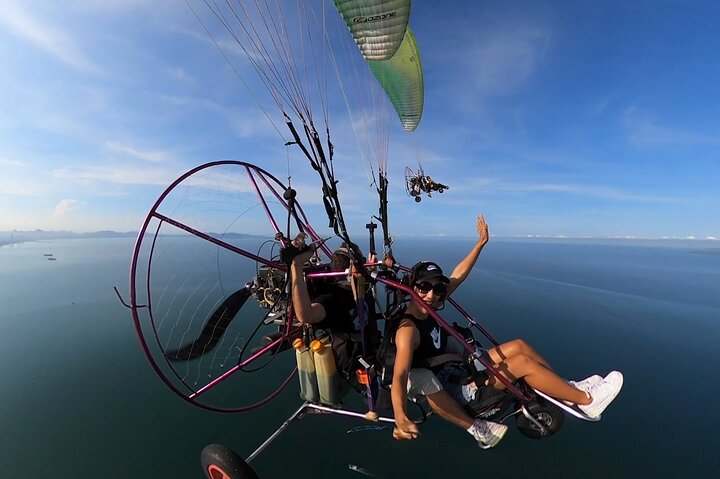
point(417, 199)
point(220, 462)
point(549, 416)
point(440, 190)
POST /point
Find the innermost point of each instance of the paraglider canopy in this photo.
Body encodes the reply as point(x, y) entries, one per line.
point(377, 26)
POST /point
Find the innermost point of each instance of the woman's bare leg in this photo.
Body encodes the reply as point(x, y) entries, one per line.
point(486, 433)
point(448, 408)
point(539, 377)
point(513, 348)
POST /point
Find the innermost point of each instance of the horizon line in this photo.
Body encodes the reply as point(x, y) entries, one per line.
point(401, 235)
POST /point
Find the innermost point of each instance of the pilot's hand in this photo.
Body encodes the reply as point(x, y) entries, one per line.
point(388, 260)
point(305, 255)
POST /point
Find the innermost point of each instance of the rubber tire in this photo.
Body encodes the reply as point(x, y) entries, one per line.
point(417, 199)
point(440, 190)
point(220, 462)
point(545, 413)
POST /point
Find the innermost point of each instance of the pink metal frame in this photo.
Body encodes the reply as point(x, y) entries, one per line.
point(272, 185)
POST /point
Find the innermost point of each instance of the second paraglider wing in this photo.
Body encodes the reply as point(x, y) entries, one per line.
point(402, 79)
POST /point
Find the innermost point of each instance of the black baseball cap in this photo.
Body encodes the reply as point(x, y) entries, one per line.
point(426, 270)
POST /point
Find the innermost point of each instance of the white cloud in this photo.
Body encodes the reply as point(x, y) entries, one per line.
point(65, 206)
point(179, 74)
point(245, 122)
point(588, 190)
point(118, 174)
point(508, 59)
point(12, 162)
point(149, 156)
point(645, 131)
point(45, 36)
point(499, 60)
point(486, 186)
point(108, 4)
point(22, 179)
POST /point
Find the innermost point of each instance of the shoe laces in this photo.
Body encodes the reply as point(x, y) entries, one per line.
point(597, 390)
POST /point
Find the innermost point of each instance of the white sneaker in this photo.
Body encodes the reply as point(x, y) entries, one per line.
point(614, 376)
point(487, 433)
point(587, 382)
point(584, 385)
point(602, 394)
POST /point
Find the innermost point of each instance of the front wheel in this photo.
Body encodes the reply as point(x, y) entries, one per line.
point(417, 199)
point(220, 462)
point(548, 415)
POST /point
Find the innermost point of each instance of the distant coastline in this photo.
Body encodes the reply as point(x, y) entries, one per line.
point(17, 236)
point(22, 236)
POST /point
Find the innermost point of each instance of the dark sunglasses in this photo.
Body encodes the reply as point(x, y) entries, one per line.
point(440, 289)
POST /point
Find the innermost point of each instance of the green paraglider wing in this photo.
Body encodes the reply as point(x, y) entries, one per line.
point(378, 26)
point(402, 79)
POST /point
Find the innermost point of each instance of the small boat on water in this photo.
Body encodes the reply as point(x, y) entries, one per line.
point(52, 258)
point(47, 254)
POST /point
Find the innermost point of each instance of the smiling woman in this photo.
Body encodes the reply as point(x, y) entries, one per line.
point(417, 339)
point(422, 349)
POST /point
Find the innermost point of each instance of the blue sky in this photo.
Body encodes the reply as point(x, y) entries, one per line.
point(552, 118)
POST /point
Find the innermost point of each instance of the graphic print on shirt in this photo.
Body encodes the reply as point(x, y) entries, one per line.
point(435, 335)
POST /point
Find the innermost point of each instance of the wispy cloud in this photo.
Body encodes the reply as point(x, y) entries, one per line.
point(506, 60)
point(21, 178)
point(500, 59)
point(645, 131)
point(179, 74)
point(587, 190)
point(65, 206)
point(12, 162)
point(23, 186)
point(245, 122)
point(602, 104)
point(45, 36)
point(111, 5)
point(120, 174)
point(149, 156)
point(495, 185)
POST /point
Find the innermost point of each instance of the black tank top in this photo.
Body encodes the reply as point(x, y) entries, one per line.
point(433, 340)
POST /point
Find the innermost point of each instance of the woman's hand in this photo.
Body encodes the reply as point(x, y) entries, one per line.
point(405, 430)
point(482, 229)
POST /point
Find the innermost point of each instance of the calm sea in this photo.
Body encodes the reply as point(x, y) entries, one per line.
point(79, 400)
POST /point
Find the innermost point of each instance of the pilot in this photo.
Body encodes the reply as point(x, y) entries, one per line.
point(332, 304)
